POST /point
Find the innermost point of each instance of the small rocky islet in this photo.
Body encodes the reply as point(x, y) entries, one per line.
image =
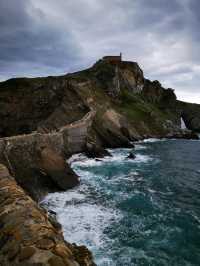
point(44, 121)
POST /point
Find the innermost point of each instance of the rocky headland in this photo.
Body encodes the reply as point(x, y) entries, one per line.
point(46, 120)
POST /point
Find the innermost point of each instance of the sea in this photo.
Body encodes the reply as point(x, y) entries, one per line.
point(128, 212)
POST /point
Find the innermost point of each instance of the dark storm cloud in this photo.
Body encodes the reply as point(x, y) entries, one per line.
point(27, 37)
point(40, 37)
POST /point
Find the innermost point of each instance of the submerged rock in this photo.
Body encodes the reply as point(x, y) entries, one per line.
point(131, 156)
point(27, 236)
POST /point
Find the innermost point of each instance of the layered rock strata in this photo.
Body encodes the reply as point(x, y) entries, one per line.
point(27, 236)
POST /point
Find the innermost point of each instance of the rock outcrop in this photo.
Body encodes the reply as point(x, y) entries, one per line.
point(27, 236)
point(55, 166)
point(191, 115)
point(115, 77)
point(112, 129)
point(131, 156)
point(183, 134)
point(38, 161)
point(155, 93)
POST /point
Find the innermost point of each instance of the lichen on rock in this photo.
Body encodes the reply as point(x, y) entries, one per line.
point(27, 236)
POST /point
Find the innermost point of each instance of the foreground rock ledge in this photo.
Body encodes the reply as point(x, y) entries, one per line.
point(27, 236)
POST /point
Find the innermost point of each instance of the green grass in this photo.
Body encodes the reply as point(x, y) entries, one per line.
point(139, 111)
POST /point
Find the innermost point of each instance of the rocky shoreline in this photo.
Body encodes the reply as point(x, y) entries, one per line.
point(28, 236)
point(46, 120)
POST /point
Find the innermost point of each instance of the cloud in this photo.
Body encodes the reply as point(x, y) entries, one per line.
point(29, 39)
point(40, 37)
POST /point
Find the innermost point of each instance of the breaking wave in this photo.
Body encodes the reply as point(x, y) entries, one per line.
point(135, 212)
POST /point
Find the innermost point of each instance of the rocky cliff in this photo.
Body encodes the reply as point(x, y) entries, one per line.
point(191, 115)
point(47, 104)
point(46, 120)
point(28, 235)
point(42, 104)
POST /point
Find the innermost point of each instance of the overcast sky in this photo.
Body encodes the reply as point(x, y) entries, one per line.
point(48, 37)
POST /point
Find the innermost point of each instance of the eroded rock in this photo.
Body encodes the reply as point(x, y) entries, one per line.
point(27, 237)
point(95, 151)
point(56, 167)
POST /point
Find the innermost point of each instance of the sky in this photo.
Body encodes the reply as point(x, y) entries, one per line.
point(48, 37)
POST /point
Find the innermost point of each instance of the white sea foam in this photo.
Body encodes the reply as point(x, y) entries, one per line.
point(131, 177)
point(76, 158)
point(106, 262)
point(83, 218)
point(57, 201)
point(139, 147)
point(151, 140)
point(83, 223)
point(152, 191)
point(87, 163)
point(141, 158)
point(118, 156)
point(81, 164)
point(197, 218)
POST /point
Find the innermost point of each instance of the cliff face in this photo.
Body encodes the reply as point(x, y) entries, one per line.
point(113, 78)
point(27, 105)
point(191, 115)
point(28, 236)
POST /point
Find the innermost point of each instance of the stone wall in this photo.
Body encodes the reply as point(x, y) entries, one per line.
point(75, 135)
point(38, 161)
point(113, 59)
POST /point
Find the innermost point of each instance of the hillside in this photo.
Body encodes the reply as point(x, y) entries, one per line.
point(117, 91)
point(46, 120)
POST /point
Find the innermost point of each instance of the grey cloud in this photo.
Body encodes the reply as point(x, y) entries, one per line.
point(28, 37)
point(52, 37)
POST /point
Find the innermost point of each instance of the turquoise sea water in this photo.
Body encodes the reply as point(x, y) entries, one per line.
point(136, 212)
